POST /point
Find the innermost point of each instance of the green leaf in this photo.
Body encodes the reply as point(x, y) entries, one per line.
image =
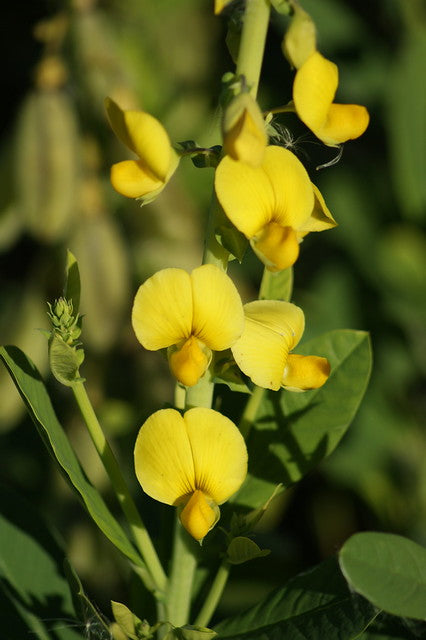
point(72, 282)
point(232, 240)
point(406, 112)
point(33, 392)
point(243, 549)
point(293, 432)
point(387, 627)
point(34, 594)
point(64, 360)
point(316, 604)
point(128, 622)
point(387, 569)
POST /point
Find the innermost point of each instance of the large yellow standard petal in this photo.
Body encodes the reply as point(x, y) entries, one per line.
point(245, 194)
point(219, 453)
point(293, 194)
point(144, 135)
point(164, 461)
point(314, 88)
point(133, 180)
point(271, 330)
point(218, 316)
point(162, 311)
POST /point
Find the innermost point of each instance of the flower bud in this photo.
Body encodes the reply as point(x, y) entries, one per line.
point(300, 39)
point(244, 133)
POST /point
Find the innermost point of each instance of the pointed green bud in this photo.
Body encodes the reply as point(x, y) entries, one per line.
point(300, 40)
point(64, 360)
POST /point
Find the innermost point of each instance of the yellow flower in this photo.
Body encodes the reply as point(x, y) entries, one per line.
point(314, 88)
point(243, 128)
point(195, 461)
point(146, 137)
point(274, 205)
point(191, 314)
point(272, 329)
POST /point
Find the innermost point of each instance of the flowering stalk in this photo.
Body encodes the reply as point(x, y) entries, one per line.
point(249, 64)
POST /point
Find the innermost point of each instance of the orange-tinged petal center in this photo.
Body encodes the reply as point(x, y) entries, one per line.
point(302, 373)
point(189, 362)
point(276, 246)
point(199, 515)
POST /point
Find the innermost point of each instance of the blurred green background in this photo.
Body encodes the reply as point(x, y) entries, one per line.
point(168, 57)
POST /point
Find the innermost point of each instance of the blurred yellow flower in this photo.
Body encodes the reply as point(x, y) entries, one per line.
point(243, 129)
point(314, 88)
point(195, 461)
point(272, 329)
point(146, 177)
point(274, 204)
point(191, 314)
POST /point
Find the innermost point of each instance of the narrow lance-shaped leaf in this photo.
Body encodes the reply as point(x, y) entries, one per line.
point(33, 392)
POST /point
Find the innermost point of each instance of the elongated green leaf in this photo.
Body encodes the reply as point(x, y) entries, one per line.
point(387, 569)
point(316, 604)
point(387, 627)
point(295, 431)
point(34, 595)
point(33, 392)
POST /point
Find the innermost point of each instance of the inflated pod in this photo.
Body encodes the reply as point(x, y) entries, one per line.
point(47, 164)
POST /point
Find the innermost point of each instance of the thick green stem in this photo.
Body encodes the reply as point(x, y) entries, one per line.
point(137, 527)
point(252, 43)
point(181, 577)
point(201, 395)
point(214, 595)
point(250, 411)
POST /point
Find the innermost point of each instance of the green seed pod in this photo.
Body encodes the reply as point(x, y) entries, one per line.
point(47, 164)
point(104, 272)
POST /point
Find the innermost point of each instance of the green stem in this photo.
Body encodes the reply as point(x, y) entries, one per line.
point(184, 563)
point(180, 396)
point(137, 527)
point(252, 45)
point(250, 411)
point(201, 394)
point(214, 595)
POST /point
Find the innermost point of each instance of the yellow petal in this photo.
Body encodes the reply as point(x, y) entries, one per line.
point(133, 180)
point(292, 188)
point(219, 453)
point(344, 122)
point(218, 318)
point(199, 515)
point(272, 329)
point(162, 310)
point(244, 134)
point(276, 246)
point(305, 372)
point(320, 219)
point(219, 5)
point(189, 362)
point(245, 194)
point(163, 458)
point(144, 135)
point(314, 89)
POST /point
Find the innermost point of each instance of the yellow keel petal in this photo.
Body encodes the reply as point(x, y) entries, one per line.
point(276, 246)
point(305, 372)
point(199, 515)
point(190, 362)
